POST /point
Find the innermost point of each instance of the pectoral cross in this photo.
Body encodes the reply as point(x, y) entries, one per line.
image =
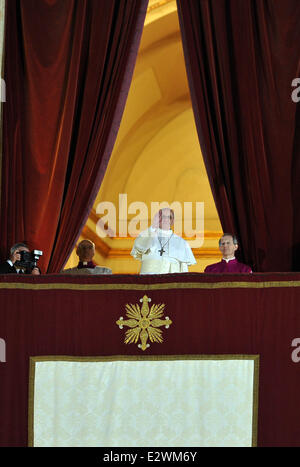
point(161, 251)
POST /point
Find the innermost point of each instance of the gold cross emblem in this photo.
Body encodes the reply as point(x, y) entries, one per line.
point(144, 323)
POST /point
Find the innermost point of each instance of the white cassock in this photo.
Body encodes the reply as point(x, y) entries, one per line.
point(162, 252)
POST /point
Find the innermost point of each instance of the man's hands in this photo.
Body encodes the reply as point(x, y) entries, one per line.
point(17, 257)
point(155, 223)
point(35, 272)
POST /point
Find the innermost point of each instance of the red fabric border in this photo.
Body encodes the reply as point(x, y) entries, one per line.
point(81, 322)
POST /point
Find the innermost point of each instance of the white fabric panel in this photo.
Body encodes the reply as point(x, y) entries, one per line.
point(143, 403)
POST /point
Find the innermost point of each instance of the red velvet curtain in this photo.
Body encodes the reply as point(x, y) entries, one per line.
point(68, 67)
point(241, 58)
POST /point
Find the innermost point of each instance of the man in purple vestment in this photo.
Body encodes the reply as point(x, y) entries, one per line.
point(228, 245)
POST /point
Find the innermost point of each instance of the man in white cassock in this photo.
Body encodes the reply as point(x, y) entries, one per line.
point(160, 250)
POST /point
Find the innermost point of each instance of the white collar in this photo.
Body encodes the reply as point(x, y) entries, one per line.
point(229, 259)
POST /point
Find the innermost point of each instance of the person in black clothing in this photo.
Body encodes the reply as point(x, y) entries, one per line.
point(9, 267)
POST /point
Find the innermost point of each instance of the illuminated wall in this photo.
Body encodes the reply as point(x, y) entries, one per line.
point(157, 156)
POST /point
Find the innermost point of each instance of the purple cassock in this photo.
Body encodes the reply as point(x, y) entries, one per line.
point(231, 266)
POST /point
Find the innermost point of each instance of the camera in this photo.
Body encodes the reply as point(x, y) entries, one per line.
point(28, 259)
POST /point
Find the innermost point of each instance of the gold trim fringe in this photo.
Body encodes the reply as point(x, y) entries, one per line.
point(164, 286)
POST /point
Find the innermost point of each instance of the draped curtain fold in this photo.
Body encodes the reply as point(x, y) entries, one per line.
point(241, 57)
point(68, 68)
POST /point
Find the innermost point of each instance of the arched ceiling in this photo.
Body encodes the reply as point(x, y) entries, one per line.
point(156, 156)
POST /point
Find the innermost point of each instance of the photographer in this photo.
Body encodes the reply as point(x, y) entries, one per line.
point(16, 263)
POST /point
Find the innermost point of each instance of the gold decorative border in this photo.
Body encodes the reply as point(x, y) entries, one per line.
point(67, 358)
point(162, 286)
